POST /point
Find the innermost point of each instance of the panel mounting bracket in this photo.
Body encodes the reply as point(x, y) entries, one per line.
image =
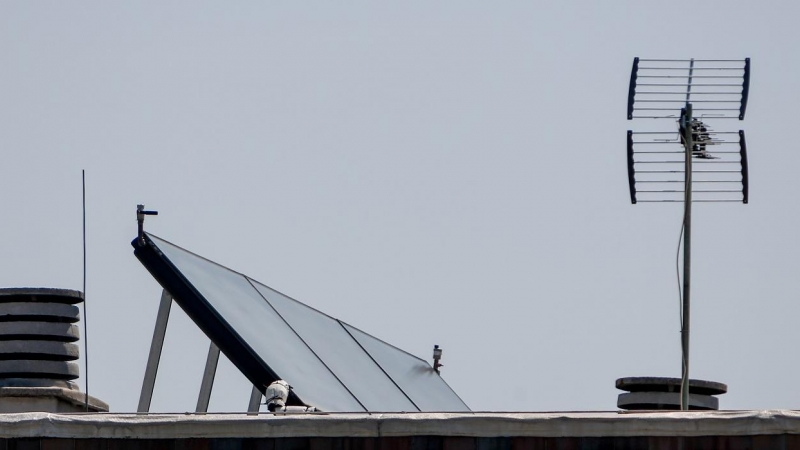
point(155, 352)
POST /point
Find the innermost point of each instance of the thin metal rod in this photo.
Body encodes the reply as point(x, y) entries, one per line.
point(681, 190)
point(155, 352)
point(674, 109)
point(676, 141)
point(208, 378)
point(255, 401)
point(676, 132)
point(695, 101)
point(695, 60)
point(673, 116)
point(681, 171)
point(681, 93)
point(659, 153)
point(693, 201)
point(693, 181)
point(696, 68)
point(687, 257)
point(684, 76)
point(681, 162)
point(85, 319)
point(695, 84)
point(655, 109)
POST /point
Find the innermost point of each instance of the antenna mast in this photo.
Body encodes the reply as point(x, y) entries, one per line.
point(654, 90)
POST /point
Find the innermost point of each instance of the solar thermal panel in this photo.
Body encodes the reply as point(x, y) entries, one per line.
point(269, 336)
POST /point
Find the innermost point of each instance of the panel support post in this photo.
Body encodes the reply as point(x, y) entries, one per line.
point(208, 378)
point(255, 401)
point(155, 352)
point(687, 257)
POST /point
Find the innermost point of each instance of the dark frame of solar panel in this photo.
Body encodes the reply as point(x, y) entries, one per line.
point(269, 336)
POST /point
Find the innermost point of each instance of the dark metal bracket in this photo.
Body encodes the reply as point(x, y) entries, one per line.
point(631, 171)
point(745, 89)
point(632, 88)
point(140, 213)
point(745, 172)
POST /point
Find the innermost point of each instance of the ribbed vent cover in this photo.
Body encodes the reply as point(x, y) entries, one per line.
point(38, 337)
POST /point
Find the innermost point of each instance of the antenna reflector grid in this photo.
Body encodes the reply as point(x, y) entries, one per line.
point(655, 163)
point(659, 88)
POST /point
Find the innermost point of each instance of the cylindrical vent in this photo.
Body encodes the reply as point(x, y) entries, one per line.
point(661, 393)
point(38, 337)
point(39, 352)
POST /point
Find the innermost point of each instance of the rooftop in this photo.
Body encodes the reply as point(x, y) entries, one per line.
point(377, 425)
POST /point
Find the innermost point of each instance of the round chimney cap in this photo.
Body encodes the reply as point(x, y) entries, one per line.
point(51, 295)
point(666, 384)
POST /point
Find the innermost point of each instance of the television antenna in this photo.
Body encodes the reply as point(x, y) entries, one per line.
point(669, 89)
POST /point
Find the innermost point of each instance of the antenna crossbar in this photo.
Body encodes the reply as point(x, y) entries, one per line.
point(693, 181)
point(689, 60)
point(687, 76)
point(676, 141)
point(698, 109)
point(672, 152)
point(695, 68)
point(694, 171)
point(693, 190)
point(683, 101)
point(687, 84)
point(681, 162)
point(676, 132)
point(673, 116)
point(693, 201)
point(684, 93)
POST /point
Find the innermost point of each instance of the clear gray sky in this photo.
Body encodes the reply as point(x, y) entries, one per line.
point(446, 173)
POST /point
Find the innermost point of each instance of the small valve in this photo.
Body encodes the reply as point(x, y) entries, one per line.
point(437, 356)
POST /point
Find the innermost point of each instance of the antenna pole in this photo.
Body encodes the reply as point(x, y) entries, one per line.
point(687, 253)
point(687, 242)
point(85, 319)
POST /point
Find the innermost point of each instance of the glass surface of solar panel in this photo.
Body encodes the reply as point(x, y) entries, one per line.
point(330, 364)
point(239, 304)
point(414, 376)
point(339, 351)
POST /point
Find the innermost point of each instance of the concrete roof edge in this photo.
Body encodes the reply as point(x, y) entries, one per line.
point(490, 424)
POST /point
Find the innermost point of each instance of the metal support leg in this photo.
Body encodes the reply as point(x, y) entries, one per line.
point(255, 401)
point(208, 378)
point(155, 352)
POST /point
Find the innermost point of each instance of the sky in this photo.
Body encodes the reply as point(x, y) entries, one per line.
point(447, 173)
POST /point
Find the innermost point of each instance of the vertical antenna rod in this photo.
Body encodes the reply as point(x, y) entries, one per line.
point(85, 325)
point(687, 241)
point(687, 253)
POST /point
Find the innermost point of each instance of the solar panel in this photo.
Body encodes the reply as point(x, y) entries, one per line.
point(270, 336)
point(424, 386)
